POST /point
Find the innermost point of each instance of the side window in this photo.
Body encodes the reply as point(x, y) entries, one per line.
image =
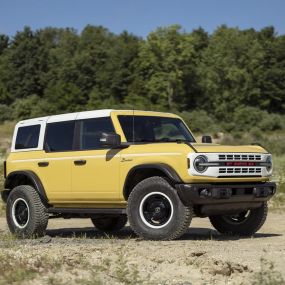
point(28, 137)
point(59, 136)
point(91, 130)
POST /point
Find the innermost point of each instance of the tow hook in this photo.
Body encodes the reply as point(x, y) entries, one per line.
point(216, 193)
point(262, 192)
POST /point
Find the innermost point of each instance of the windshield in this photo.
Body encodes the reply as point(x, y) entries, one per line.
point(154, 129)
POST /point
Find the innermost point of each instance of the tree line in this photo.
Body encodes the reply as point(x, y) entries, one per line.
point(232, 78)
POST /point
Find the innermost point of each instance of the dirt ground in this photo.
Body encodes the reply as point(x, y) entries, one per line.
point(73, 252)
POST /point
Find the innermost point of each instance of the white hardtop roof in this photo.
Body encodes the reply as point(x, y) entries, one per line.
point(68, 117)
point(78, 116)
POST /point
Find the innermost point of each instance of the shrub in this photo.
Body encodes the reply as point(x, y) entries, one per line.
point(5, 113)
point(31, 107)
point(246, 118)
point(200, 121)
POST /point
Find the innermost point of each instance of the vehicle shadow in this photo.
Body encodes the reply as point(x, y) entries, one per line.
point(127, 233)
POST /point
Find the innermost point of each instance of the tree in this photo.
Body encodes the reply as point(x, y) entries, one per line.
point(162, 58)
point(230, 70)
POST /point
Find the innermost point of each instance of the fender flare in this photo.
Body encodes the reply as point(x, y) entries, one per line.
point(36, 182)
point(165, 168)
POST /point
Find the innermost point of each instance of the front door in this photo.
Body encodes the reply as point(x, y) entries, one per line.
point(95, 170)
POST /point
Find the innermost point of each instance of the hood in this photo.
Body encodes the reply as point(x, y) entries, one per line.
point(216, 148)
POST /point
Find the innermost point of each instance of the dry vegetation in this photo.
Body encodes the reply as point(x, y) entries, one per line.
point(82, 255)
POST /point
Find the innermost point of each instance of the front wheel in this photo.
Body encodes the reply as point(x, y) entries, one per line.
point(155, 211)
point(245, 223)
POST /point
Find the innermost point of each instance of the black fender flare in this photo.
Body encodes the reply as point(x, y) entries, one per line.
point(165, 168)
point(35, 180)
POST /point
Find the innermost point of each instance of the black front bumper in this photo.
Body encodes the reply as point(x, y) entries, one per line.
point(219, 198)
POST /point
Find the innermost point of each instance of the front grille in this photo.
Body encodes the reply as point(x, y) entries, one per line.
point(242, 170)
point(235, 164)
point(246, 157)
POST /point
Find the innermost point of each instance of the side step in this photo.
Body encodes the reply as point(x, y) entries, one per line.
point(87, 211)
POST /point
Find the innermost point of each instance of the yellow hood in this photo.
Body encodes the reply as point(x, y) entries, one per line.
point(204, 147)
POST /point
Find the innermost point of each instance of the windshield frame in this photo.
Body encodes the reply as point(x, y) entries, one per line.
point(129, 138)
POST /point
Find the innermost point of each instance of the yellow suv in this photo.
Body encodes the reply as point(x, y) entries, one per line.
point(146, 167)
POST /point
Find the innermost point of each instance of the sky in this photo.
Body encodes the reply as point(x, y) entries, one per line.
point(141, 16)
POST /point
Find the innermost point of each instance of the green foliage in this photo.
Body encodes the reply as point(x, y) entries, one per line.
point(244, 118)
point(231, 80)
point(200, 121)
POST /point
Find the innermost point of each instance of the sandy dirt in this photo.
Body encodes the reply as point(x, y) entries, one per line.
point(202, 256)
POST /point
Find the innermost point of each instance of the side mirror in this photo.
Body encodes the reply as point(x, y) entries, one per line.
point(110, 140)
point(206, 139)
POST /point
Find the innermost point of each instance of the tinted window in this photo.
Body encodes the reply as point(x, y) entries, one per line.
point(91, 131)
point(28, 137)
point(154, 129)
point(59, 136)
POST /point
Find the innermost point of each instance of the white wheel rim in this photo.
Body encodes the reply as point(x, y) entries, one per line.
point(14, 215)
point(142, 214)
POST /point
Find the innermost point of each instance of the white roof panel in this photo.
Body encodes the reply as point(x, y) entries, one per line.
point(94, 114)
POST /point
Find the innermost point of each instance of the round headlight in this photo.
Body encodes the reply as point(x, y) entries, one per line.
point(198, 163)
point(269, 163)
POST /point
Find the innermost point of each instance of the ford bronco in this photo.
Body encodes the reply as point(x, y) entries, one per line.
point(143, 167)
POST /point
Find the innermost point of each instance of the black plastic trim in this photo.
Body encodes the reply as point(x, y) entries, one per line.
point(87, 210)
point(33, 177)
point(5, 169)
point(166, 169)
point(190, 193)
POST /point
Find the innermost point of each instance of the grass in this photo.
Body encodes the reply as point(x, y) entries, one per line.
point(17, 268)
point(267, 275)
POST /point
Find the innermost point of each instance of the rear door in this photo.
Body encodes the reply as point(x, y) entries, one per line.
point(55, 166)
point(95, 169)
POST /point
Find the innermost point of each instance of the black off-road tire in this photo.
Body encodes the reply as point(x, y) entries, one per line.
point(109, 223)
point(253, 222)
point(176, 224)
point(37, 220)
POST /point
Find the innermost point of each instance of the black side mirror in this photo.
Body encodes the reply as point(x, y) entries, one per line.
point(206, 139)
point(110, 140)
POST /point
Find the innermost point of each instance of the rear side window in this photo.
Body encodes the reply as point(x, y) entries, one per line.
point(59, 136)
point(91, 130)
point(28, 137)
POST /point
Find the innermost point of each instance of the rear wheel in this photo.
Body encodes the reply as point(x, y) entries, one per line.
point(155, 211)
point(245, 223)
point(26, 215)
point(109, 223)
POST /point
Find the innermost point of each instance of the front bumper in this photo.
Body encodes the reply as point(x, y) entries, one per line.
point(223, 198)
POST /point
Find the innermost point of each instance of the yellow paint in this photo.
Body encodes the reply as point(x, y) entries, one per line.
point(101, 180)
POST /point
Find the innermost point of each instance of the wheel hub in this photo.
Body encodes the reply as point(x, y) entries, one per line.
point(156, 210)
point(20, 213)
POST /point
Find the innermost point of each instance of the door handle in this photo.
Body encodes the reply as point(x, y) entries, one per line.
point(80, 162)
point(43, 164)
